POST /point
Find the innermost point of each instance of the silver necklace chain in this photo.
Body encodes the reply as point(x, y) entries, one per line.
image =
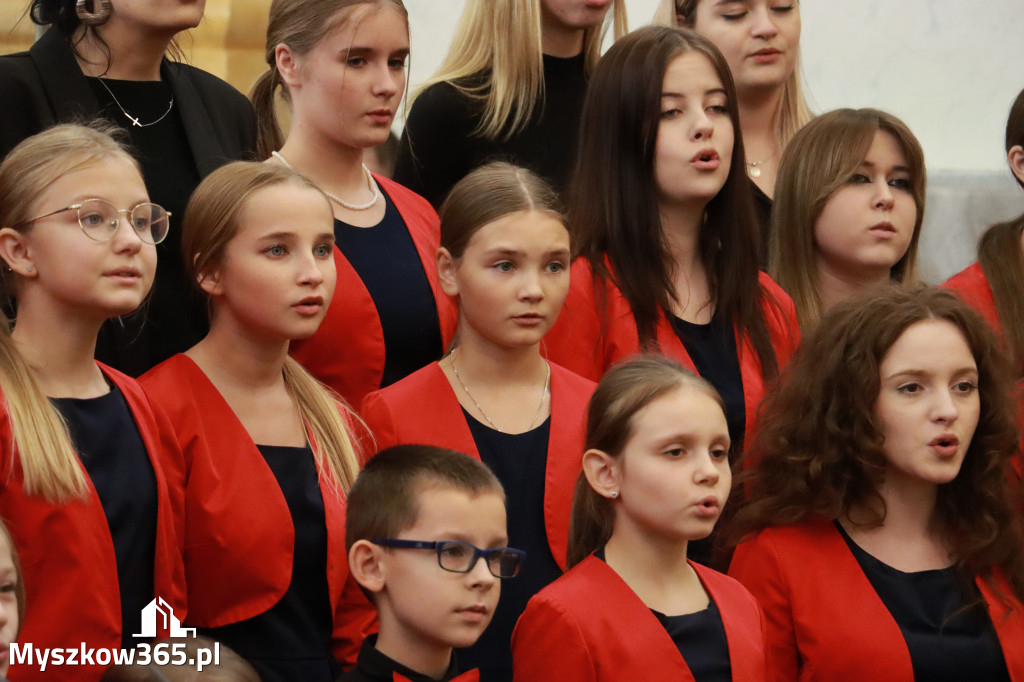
point(371, 183)
point(133, 119)
point(543, 396)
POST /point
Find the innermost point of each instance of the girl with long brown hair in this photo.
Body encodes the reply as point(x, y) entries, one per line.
point(849, 204)
point(341, 66)
point(760, 40)
point(663, 221)
point(268, 452)
point(633, 607)
point(879, 534)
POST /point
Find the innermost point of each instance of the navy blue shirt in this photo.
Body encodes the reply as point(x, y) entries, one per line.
point(110, 447)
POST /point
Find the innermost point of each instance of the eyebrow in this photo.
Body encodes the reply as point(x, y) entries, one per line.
point(918, 373)
point(868, 164)
point(712, 91)
point(361, 51)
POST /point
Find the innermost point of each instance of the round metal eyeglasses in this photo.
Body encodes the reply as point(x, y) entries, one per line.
point(99, 220)
point(461, 557)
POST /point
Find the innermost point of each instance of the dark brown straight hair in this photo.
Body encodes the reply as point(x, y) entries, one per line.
point(613, 205)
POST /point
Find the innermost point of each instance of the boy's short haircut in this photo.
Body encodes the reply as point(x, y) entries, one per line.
point(384, 500)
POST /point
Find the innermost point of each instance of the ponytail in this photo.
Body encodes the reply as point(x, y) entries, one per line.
point(50, 468)
point(262, 95)
point(330, 425)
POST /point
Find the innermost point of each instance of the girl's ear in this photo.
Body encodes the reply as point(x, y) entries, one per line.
point(446, 272)
point(209, 281)
point(603, 472)
point(288, 65)
point(1015, 157)
point(366, 564)
point(15, 252)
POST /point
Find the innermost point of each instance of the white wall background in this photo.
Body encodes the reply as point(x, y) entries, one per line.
point(949, 68)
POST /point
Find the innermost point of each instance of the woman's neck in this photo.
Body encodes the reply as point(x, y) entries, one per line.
point(329, 165)
point(488, 364)
point(909, 538)
point(561, 42)
point(60, 350)
point(123, 54)
point(655, 568)
point(835, 286)
point(233, 356)
point(758, 122)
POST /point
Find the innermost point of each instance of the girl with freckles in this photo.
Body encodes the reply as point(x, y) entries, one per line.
point(341, 66)
point(663, 224)
point(268, 452)
point(655, 478)
point(880, 535)
point(82, 448)
point(504, 258)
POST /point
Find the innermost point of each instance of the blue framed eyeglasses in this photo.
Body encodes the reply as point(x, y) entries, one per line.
point(461, 557)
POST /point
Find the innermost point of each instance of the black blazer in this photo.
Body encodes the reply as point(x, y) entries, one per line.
point(45, 86)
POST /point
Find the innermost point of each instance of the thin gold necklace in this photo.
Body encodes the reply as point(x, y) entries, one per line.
point(543, 396)
point(752, 166)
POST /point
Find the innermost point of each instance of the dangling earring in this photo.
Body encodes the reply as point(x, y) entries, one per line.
point(95, 18)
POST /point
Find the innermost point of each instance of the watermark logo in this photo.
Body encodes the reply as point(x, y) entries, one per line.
point(157, 617)
point(158, 614)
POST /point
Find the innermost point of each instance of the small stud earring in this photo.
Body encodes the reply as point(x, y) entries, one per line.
point(614, 494)
point(31, 268)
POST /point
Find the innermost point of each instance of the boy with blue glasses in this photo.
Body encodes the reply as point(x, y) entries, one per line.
point(426, 537)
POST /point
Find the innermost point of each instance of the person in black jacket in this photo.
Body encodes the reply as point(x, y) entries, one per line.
point(106, 58)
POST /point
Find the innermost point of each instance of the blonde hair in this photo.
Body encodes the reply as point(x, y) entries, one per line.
point(816, 164)
point(211, 221)
point(502, 39)
point(49, 465)
point(792, 113)
point(301, 25)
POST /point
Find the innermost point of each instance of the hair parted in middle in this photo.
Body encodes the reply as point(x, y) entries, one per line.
point(613, 201)
point(212, 219)
point(496, 58)
point(623, 391)
point(818, 162)
point(793, 112)
point(490, 193)
point(385, 498)
point(819, 450)
point(301, 25)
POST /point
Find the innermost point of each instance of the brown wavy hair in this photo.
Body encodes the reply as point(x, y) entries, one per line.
point(819, 449)
point(623, 391)
point(613, 203)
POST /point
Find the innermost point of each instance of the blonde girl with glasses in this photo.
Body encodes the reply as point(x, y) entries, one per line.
point(632, 606)
point(118, 59)
point(341, 65)
point(269, 454)
point(510, 89)
point(81, 460)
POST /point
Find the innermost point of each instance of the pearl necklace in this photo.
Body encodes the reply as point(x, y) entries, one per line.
point(371, 183)
point(543, 396)
point(752, 166)
point(133, 119)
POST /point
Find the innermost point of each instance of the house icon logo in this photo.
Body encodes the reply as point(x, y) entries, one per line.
point(158, 614)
